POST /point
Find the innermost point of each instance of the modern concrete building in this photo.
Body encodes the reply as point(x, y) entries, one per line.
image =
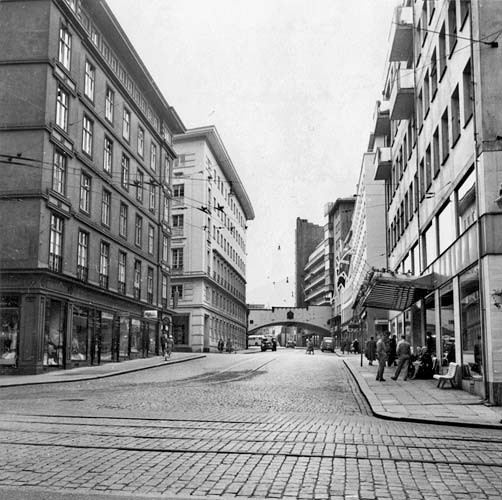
point(307, 237)
point(443, 175)
point(366, 240)
point(210, 213)
point(316, 291)
point(86, 155)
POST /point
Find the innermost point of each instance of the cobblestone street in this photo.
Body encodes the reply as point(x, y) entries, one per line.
point(255, 425)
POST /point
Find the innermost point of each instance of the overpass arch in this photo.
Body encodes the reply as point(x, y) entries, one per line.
point(308, 326)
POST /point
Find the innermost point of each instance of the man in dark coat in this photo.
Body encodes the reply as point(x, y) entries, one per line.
point(370, 350)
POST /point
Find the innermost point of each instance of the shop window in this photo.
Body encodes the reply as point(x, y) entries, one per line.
point(180, 329)
point(430, 320)
point(80, 334)
point(447, 325)
point(55, 322)
point(124, 337)
point(135, 338)
point(470, 322)
point(105, 333)
point(9, 330)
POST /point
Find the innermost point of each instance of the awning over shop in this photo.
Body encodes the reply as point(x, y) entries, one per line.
point(396, 292)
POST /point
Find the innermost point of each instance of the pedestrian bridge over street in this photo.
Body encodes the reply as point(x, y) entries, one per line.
point(315, 318)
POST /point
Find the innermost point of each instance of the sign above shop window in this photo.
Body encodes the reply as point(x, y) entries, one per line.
point(150, 314)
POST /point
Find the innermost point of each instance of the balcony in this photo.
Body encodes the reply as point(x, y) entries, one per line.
point(381, 119)
point(383, 164)
point(401, 35)
point(402, 95)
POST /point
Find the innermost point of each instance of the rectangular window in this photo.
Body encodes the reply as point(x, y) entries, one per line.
point(433, 79)
point(417, 193)
point(141, 142)
point(106, 201)
point(163, 291)
point(165, 248)
point(177, 260)
point(137, 280)
point(452, 26)
point(420, 110)
point(151, 197)
point(108, 155)
point(138, 230)
point(422, 179)
point(177, 291)
point(59, 172)
point(149, 285)
point(89, 80)
point(153, 156)
point(167, 170)
point(178, 221)
point(104, 264)
point(151, 239)
point(455, 116)
point(85, 192)
point(445, 140)
point(428, 168)
point(178, 190)
point(165, 209)
point(126, 125)
point(429, 244)
point(87, 135)
point(124, 174)
point(446, 226)
point(83, 256)
point(427, 100)
point(122, 273)
point(464, 11)
point(139, 185)
point(435, 153)
point(109, 104)
point(123, 220)
point(468, 91)
point(442, 51)
point(64, 52)
point(62, 106)
point(466, 202)
point(56, 244)
point(411, 197)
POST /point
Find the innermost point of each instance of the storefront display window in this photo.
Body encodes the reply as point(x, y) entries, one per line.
point(55, 321)
point(80, 334)
point(106, 336)
point(430, 320)
point(124, 338)
point(447, 325)
point(152, 337)
point(470, 322)
point(9, 330)
point(135, 336)
point(180, 329)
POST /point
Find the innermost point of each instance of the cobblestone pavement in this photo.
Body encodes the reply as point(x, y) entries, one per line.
point(263, 425)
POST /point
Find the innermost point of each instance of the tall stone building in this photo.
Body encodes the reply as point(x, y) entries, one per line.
point(86, 156)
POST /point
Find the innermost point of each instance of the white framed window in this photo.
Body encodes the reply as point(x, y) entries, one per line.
point(151, 239)
point(124, 173)
point(59, 172)
point(85, 192)
point(178, 221)
point(126, 124)
point(165, 209)
point(56, 244)
point(139, 185)
point(149, 285)
point(177, 258)
point(138, 230)
point(151, 197)
point(141, 141)
point(104, 264)
point(137, 279)
point(165, 248)
point(153, 156)
point(89, 80)
point(123, 220)
point(62, 106)
point(106, 201)
point(64, 52)
point(121, 277)
point(109, 104)
point(83, 255)
point(87, 135)
point(163, 292)
point(107, 155)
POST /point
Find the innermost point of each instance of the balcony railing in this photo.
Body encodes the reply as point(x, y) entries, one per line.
point(383, 164)
point(402, 95)
point(55, 262)
point(401, 35)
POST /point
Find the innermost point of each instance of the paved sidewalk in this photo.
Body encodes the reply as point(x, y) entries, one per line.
point(420, 400)
point(96, 372)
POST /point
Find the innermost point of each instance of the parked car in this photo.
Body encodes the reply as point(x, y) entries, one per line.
point(327, 344)
point(268, 343)
point(291, 343)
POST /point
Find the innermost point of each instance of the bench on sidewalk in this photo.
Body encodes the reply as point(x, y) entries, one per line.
point(450, 375)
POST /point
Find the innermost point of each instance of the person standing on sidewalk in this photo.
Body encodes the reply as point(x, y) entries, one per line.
point(403, 354)
point(370, 350)
point(382, 348)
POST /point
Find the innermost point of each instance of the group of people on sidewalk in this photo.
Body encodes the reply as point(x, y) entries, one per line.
point(225, 347)
point(386, 351)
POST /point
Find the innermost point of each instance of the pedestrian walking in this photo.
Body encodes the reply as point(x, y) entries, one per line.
point(382, 349)
point(370, 350)
point(221, 345)
point(164, 338)
point(355, 346)
point(229, 346)
point(403, 352)
point(391, 357)
point(169, 347)
point(310, 346)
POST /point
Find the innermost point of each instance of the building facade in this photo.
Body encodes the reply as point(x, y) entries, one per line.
point(316, 291)
point(86, 156)
point(443, 181)
point(307, 237)
point(210, 213)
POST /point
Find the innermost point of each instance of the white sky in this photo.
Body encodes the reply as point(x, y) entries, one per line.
point(290, 85)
